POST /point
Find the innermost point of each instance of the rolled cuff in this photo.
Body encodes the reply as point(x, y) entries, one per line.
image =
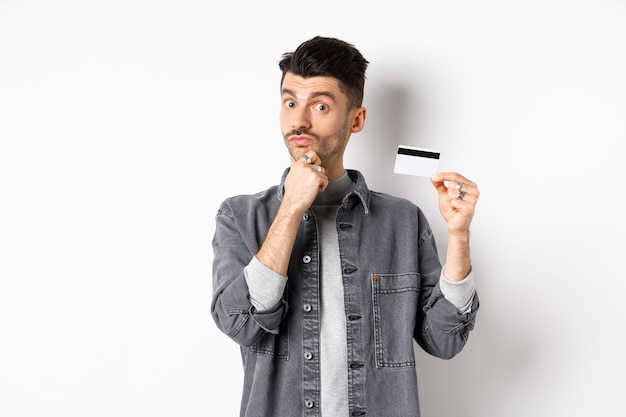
point(265, 286)
point(459, 293)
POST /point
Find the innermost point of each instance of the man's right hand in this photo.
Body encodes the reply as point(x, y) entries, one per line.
point(305, 179)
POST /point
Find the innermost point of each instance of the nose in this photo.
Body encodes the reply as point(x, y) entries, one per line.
point(300, 119)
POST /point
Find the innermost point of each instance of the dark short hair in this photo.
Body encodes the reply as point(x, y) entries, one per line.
point(331, 57)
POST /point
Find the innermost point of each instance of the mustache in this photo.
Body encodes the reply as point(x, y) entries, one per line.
point(298, 132)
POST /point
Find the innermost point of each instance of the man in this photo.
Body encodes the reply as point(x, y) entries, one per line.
point(325, 284)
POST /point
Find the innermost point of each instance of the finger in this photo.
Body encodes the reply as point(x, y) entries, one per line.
point(453, 178)
point(465, 202)
point(456, 196)
point(466, 208)
point(439, 184)
point(318, 169)
point(455, 188)
point(464, 191)
point(311, 157)
point(323, 184)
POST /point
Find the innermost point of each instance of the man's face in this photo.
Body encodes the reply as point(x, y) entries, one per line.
point(314, 116)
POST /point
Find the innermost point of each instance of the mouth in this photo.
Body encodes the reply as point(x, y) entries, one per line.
point(300, 140)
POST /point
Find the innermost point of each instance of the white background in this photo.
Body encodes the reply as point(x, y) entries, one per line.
point(124, 124)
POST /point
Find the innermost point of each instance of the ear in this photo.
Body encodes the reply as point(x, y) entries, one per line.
point(358, 119)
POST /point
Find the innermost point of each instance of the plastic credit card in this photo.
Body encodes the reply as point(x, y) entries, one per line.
point(411, 160)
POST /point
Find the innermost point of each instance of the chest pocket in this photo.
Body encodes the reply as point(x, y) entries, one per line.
point(395, 301)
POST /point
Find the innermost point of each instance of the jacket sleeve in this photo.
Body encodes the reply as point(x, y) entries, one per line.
point(442, 329)
point(234, 248)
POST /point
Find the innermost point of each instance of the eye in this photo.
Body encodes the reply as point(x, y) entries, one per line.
point(290, 104)
point(321, 107)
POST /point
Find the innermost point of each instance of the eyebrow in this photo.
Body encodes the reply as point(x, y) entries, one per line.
point(312, 96)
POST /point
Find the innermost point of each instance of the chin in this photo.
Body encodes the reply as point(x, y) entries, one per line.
point(296, 152)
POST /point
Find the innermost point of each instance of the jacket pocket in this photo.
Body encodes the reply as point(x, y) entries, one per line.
point(395, 298)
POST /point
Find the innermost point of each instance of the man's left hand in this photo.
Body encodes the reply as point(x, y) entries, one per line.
point(457, 200)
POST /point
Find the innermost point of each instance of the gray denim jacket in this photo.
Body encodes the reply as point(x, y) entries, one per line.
point(391, 274)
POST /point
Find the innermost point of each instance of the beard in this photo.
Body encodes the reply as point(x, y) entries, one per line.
point(325, 146)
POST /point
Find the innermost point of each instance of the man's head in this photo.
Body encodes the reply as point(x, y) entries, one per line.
point(330, 57)
point(321, 95)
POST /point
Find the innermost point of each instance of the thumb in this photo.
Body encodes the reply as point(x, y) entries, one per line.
point(438, 183)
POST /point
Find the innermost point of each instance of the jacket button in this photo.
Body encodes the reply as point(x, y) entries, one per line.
point(308, 356)
point(306, 259)
point(308, 404)
point(307, 307)
point(305, 217)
